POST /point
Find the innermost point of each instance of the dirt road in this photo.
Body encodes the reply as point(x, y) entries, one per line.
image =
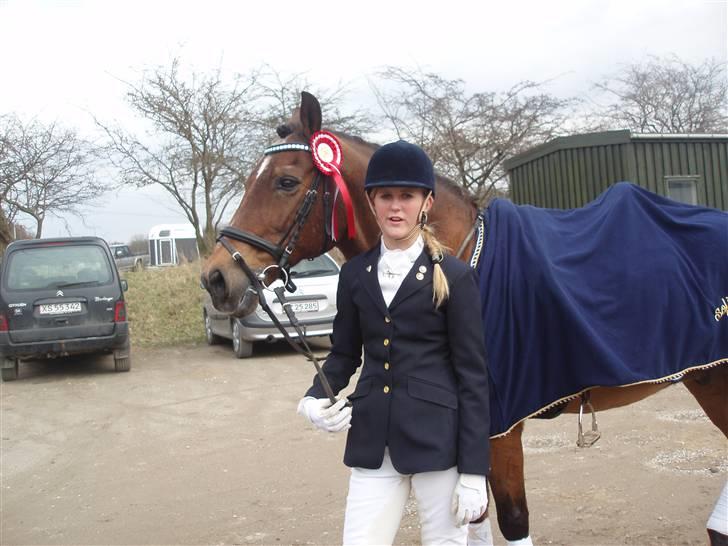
point(195, 447)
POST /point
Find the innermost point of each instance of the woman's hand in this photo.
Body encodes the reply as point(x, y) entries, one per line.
point(469, 499)
point(324, 416)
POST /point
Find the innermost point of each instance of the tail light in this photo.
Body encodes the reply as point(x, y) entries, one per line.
point(120, 312)
point(3, 323)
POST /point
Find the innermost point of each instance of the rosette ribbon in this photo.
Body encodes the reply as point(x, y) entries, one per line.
point(326, 152)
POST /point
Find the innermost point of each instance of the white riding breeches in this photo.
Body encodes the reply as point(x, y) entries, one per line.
point(377, 498)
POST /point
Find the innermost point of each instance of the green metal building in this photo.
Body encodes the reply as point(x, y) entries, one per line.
point(569, 172)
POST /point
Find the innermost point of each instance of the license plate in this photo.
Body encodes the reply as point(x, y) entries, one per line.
point(60, 308)
point(304, 306)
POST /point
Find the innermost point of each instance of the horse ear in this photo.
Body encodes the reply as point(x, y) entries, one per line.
point(310, 113)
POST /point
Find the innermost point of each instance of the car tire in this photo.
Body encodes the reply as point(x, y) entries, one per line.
point(211, 337)
point(241, 347)
point(10, 374)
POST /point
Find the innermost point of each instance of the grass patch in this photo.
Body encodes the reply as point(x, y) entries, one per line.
point(164, 305)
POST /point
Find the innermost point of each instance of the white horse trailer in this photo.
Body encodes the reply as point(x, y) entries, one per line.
point(171, 243)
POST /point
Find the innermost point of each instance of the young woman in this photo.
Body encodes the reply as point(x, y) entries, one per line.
point(419, 418)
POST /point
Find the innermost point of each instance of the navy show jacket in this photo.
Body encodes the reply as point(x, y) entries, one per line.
point(423, 389)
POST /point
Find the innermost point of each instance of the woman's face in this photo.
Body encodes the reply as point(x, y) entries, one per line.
point(397, 211)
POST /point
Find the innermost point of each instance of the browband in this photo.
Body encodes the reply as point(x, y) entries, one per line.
point(287, 147)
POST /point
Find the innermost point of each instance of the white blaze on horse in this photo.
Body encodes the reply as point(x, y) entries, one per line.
point(286, 216)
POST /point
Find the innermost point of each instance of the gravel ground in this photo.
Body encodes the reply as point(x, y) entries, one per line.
point(195, 447)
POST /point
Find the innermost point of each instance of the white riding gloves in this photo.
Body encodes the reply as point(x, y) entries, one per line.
point(324, 416)
point(469, 499)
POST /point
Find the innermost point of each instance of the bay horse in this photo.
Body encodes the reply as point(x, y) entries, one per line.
point(274, 193)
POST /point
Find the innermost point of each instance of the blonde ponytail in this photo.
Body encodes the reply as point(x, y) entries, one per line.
point(440, 287)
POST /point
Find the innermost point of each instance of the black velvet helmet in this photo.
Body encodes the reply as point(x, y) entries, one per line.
point(400, 164)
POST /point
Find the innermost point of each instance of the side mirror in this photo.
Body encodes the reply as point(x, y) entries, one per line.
point(124, 285)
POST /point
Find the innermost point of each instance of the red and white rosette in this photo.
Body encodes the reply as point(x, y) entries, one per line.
point(327, 157)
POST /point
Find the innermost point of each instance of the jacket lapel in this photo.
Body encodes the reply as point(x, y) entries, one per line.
point(370, 279)
point(418, 277)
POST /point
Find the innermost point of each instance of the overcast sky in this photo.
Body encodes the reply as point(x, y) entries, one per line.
point(61, 60)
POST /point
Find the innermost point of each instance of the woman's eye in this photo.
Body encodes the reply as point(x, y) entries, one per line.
point(287, 183)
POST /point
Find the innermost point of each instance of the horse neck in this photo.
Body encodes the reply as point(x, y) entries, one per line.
point(452, 217)
point(452, 214)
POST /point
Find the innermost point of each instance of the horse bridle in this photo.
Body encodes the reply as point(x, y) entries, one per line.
point(281, 252)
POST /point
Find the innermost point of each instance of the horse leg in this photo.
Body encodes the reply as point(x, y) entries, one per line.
point(509, 489)
point(710, 389)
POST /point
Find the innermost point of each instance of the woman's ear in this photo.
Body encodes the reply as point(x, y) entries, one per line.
point(429, 201)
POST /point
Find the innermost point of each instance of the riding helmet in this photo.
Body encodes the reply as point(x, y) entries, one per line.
point(400, 164)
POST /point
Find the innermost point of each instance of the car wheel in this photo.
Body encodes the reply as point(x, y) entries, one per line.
point(10, 374)
point(211, 337)
point(241, 348)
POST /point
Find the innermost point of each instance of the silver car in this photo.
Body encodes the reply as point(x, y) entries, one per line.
point(314, 303)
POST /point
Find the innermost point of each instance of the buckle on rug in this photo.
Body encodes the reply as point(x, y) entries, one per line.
point(590, 437)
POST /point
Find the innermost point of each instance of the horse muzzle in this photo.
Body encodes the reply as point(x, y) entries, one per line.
point(234, 295)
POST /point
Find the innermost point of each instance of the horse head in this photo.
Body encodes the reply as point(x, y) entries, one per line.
point(285, 208)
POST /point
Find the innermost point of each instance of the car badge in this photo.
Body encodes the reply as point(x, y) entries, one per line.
point(59, 294)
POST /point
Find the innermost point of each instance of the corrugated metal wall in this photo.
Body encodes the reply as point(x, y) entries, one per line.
point(572, 176)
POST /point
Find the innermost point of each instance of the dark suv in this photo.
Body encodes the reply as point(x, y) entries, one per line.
point(61, 297)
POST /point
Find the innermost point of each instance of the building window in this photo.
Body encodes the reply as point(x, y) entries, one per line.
point(682, 188)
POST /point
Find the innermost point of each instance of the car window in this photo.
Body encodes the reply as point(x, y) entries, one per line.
point(319, 266)
point(57, 267)
point(121, 251)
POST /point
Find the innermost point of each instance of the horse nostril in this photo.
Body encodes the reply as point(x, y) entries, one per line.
point(216, 285)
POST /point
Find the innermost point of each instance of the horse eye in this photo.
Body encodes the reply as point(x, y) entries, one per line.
point(287, 183)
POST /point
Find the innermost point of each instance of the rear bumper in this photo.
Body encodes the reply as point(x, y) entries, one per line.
point(119, 340)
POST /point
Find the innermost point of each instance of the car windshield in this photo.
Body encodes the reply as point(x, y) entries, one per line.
point(58, 266)
point(317, 267)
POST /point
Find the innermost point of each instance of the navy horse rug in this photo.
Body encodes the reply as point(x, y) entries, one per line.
point(631, 288)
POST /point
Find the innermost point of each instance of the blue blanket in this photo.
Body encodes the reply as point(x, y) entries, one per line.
point(632, 287)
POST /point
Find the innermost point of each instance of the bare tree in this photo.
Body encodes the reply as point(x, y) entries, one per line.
point(665, 95)
point(198, 144)
point(139, 244)
point(205, 136)
point(44, 169)
point(280, 95)
point(469, 135)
